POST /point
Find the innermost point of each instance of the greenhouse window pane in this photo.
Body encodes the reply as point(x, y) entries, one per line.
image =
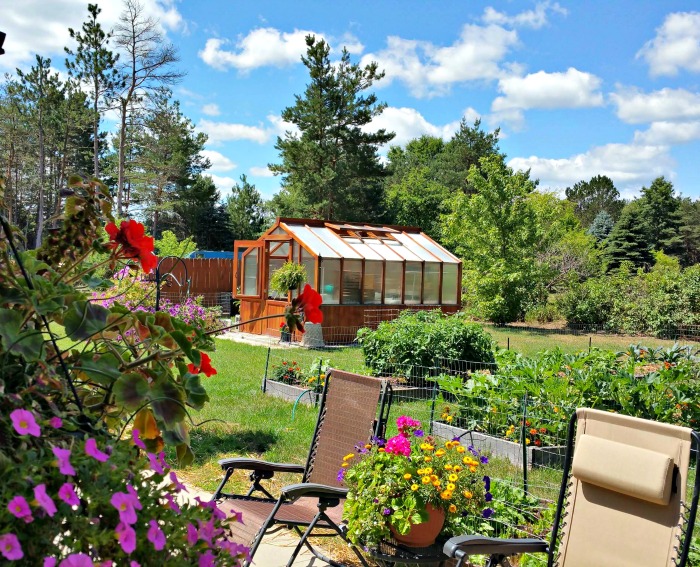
point(431, 282)
point(392, 283)
point(449, 284)
point(250, 273)
point(372, 293)
point(330, 281)
point(414, 275)
point(352, 279)
point(273, 265)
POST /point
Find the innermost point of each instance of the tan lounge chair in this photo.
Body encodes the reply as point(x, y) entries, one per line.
point(623, 499)
point(353, 408)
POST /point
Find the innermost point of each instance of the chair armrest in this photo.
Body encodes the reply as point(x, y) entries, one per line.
point(263, 466)
point(294, 491)
point(481, 545)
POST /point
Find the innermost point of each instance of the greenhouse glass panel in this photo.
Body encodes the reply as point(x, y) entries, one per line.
point(431, 283)
point(414, 274)
point(372, 292)
point(450, 285)
point(250, 273)
point(352, 280)
point(330, 281)
point(392, 283)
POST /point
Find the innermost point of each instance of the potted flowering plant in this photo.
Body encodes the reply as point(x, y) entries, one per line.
point(288, 276)
point(410, 482)
point(285, 335)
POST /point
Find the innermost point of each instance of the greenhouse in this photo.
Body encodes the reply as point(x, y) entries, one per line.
point(356, 267)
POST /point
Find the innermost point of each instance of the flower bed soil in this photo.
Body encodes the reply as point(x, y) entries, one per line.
point(552, 456)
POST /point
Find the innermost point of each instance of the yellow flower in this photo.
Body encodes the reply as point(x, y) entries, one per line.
point(426, 480)
point(460, 449)
point(446, 495)
point(509, 433)
point(450, 486)
point(439, 452)
point(453, 478)
point(428, 470)
point(444, 416)
point(420, 471)
point(468, 495)
point(368, 446)
point(414, 487)
point(381, 450)
point(472, 468)
point(457, 468)
point(436, 484)
point(407, 476)
point(348, 456)
point(426, 447)
point(346, 464)
point(433, 477)
point(527, 441)
point(452, 508)
point(449, 419)
point(448, 467)
point(448, 444)
point(428, 459)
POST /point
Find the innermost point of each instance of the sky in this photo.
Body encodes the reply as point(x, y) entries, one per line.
point(577, 88)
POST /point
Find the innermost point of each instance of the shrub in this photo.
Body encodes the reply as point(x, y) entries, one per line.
point(543, 314)
point(423, 339)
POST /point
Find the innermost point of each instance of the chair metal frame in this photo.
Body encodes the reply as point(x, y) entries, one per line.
point(499, 549)
point(327, 496)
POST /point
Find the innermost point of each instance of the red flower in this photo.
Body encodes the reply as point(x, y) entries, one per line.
point(204, 366)
point(538, 442)
point(130, 241)
point(310, 301)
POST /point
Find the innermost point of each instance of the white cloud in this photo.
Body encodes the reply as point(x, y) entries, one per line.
point(37, 26)
point(225, 132)
point(350, 42)
point(430, 70)
point(261, 47)
point(629, 166)
point(635, 107)
point(675, 47)
point(669, 133)
point(261, 171)
point(534, 19)
point(219, 162)
point(572, 89)
point(409, 124)
point(211, 109)
point(280, 127)
point(223, 184)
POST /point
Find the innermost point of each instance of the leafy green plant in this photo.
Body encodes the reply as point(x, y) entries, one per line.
point(288, 276)
point(288, 372)
point(391, 483)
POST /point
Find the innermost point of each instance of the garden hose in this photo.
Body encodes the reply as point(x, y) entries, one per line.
point(294, 407)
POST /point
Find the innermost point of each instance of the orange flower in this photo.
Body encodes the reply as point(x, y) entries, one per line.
point(130, 241)
point(204, 366)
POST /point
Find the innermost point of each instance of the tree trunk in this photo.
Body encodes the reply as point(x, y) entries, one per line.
point(122, 157)
point(96, 133)
point(42, 173)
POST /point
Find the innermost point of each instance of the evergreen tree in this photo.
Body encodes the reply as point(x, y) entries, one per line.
point(331, 169)
point(93, 64)
point(690, 231)
point(602, 226)
point(591, 197)
point(202, 216)
point(629, 240)
point(247, 211)
point(661, 213)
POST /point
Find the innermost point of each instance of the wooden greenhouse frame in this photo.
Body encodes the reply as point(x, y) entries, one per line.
point(355, 266)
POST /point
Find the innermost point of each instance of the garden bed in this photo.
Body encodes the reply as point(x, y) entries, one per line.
point(552, 456)
point(291, 393)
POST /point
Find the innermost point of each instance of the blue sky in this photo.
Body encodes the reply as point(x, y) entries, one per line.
point(577, 88)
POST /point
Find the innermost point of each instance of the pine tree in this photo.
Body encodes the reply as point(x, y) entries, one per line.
point(662, 215)
point(602, 226)
point(628, 240)
point(247, 211)
point(591, 197)
point(331, 168)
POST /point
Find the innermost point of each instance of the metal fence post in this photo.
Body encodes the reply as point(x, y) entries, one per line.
point(433, 397)
point(523, 437)
point(267, 363)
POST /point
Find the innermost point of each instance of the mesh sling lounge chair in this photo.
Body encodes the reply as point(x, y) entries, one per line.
point(622, 499)
point(352, 409)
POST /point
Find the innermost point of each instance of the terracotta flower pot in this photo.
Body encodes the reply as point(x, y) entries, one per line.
point(425, 533)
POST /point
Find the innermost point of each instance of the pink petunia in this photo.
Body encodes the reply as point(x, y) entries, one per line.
point(10, 547)
point(155, 535)
point(134, 495)
point(92, 451)
point(235, 549)
point(126, 537)
point(398, 445)
point(178, 485)
point(208, 531)
point(24, 423)
point(134, 564)
point(77, 560)
point(137, 439)
point(49, 562)
point(207, 559)
point(68, 495)
point(63, 456)
point(107, 563)
point(192, 535)
point(161, 460)
point(19, 508)
point(155, 465)
point(44, 499)
point(172, 504)
point(56, 422)
point(124, 503)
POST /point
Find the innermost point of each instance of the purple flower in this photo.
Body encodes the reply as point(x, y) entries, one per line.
point(134, 495)
point(137, 440)
point(155, 535)
point(341, 475)
point(487, 513)
point(68, 495)
point(63, 456)
point(19, 508)
point(418, 433)
point(178, 485)
point(92, 451)
point(44, 499)
point(77, 560)
point(124, 503)
point(10, 547)
point(484, 460)
point(488, 497)
point(155, 465)
point(207, 560)
point(24, 423)
point(55, 422)
point(192, 535)
point(126, 537)
point(487, 483)
point(386, 511)
point(473, 450)
point(172, 504)
point(49, 562)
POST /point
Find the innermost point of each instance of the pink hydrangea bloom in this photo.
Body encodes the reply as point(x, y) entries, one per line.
point(398, 445)
point(10, 547)
point(92, 451)
point(68, 495)
point(55, 422)
point(407, 424)
point(126, 537)
point(77, 560)
point(124, 503)
point(19, 508)
point(135, 436)
point(24, 423)
point(44, 499)
point(63, 457)
point(155, 535)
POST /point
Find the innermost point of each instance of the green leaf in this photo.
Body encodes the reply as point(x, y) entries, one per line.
point(84, 319)
point(28, 343)
point(94, 282)
point(185, 456)
point(177, 434)
point(100, 368)
point(168, 402)
point(131, 390)
point(186, 347)
point(196, 394)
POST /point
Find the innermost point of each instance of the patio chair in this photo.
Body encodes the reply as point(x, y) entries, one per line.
point(622, 501)
point(352, 409)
